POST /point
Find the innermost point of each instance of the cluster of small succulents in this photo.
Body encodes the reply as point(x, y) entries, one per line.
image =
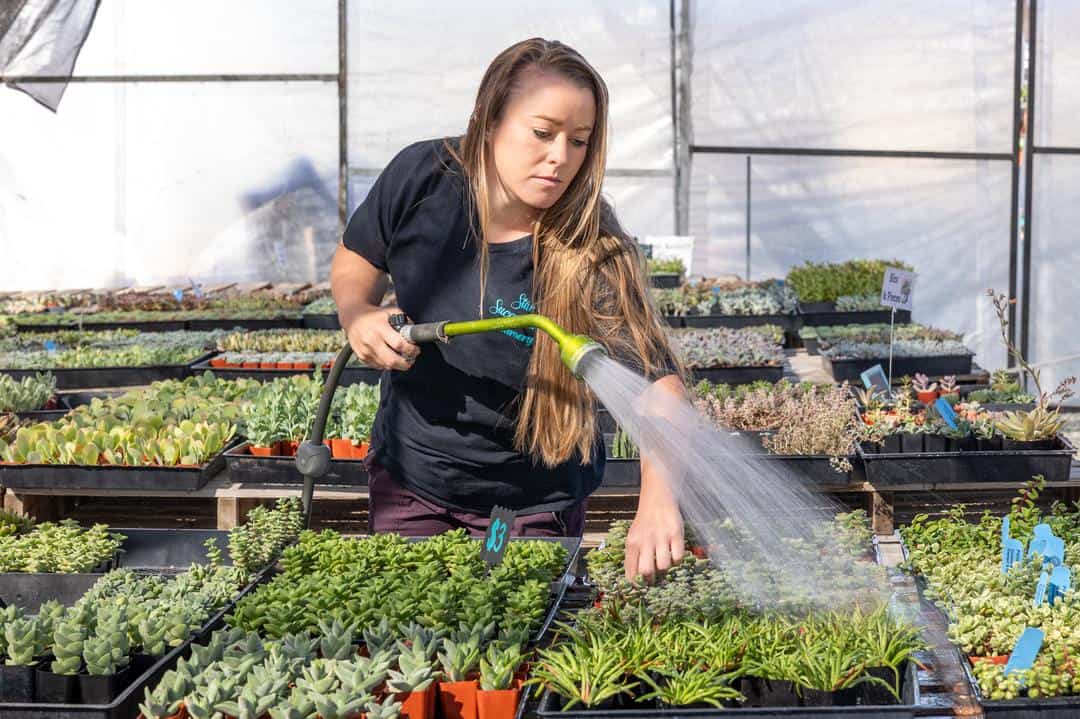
point(723, 347)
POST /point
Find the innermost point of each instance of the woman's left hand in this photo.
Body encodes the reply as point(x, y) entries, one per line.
point(655, 541)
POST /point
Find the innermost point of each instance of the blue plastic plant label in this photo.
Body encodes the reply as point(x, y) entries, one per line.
point(178, 294)
point(1060, 582)
point(875, 378)
point(1012, 551)
point(497, 536)
point(50, 347)
point(946, 411)
point(1040, 589)
point(1026, 649)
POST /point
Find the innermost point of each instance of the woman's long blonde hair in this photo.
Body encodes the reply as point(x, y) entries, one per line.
point(588, 273)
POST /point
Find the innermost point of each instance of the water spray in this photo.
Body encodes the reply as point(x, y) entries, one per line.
point(313, 457)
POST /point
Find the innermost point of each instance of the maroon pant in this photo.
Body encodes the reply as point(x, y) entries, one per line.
point(392, 508)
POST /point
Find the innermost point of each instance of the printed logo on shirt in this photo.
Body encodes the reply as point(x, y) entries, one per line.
point(520, 305)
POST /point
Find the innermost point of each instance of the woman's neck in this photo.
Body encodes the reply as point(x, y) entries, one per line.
point(510, 218)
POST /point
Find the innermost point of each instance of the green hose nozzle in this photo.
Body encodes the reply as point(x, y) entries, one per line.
point(572, 348)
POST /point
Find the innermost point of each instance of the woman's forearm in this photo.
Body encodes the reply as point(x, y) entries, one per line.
point(654, 479)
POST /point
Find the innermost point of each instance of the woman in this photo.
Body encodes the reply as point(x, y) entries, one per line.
point(505, 220)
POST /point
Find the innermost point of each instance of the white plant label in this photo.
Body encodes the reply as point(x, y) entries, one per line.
point(898, 289)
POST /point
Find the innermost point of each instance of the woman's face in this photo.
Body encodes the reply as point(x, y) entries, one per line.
point(540, 143)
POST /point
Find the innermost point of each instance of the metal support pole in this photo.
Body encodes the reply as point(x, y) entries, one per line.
point(1014, 207)
point(343, 116)
point(1029, 168)
point(892, 340)
point(748, 218)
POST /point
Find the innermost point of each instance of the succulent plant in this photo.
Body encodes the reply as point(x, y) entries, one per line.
point(412, 675)
point(27, 394)
point(827, 282)
point(497, 667)
point(1030, 426)
point(922, 383)
point(459, 659)
point(22, 642)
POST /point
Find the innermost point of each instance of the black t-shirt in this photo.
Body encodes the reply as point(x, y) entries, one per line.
point(445, 427)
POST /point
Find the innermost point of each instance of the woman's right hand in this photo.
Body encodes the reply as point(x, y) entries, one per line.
point(377, 344)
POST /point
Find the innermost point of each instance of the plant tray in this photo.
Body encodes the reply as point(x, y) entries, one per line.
point(43, 415)
point(259, 323)
point(551, 707)
point(1063, 707)
point(816, 471)
point(820, 314)
point(852, 369)
point(126, 704)
point(622, 473)
point(86, 377)
point(141, 326)
point(786, 322)
point(246, 467)
point(665, 280)
point(350, 375)
point(811, 345)
point(321, 322)
point(738, 375)
point(81, 476)
point(920, 468)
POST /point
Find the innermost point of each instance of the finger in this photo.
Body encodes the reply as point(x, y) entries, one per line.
point(399, 344)
point(678, 550)
point(630, 563)
point(389, 359)
point(647, 564)
point(663, 557)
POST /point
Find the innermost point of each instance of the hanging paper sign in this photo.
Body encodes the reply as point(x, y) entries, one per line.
point(497, 536)
point(898, 288)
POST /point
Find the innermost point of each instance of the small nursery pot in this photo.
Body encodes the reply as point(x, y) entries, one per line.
point(359, 451)
point(16, 684)
point(927, 398)
point(418, 705)
point(497, 704)
point(870, 447)
point(989, 445)
point(1000, 659)
point(341, 449)
point(911, 443)
point(285, 365)
point(964, 444)
point(304, 365)
point(250, 365)
point(934, 443)
point(50, 688)
point(1012, 445)
point(268, 365)
point(817, 698)
point(892, 444)
point(288, 447)
point(458, 699)
point(102, 690)
point(777, 693)
point(261, 451)
point(218, 362)
point(873, 693)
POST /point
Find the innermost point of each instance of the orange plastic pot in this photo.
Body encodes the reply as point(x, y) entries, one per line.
point(359, 451)
point(418, 705)
point(268, 365)
point(304, 365)
point(285, 365)
point(250, 365)
point(497, 704)
point(341, 449)
point(288, 448)
point(458, 699)
point(927, 397)
point(261, 451)
point(1001, 659)
point(218, 362)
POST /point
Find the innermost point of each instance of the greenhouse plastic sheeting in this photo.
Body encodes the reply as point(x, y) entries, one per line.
point(1055, 257)
point(414, 68)
point(210, 37)
point(157, 182)
point(880, 74)
point(948, 218)
point(43, 38)
point(1057, 57)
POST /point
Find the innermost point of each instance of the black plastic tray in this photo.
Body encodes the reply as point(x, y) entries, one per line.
point(78, 476)
point(852, 369)
point(141, 326)
point(815, 316)
point(738, 375)
point(85, 378)
point(891, 468)
point(811, 345)
point(43, 415)
point(126, 705)
point(251, 323)
point(551, 708)
point(622, 473)
point(154, 549)
point(350, 375)
point(665, 280)
point(816, 471)
point(1063, 707)
point(246, 467)
point(786, 322)
point(78, 399)
point(321, 322)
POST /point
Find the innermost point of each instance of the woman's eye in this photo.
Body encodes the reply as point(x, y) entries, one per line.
point(579, 143)
point(542, 134)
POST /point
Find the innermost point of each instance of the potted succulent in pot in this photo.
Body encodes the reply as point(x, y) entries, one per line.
point(21, 647)
point(413, 684)
point(497, 697)
point(457, 690)
point(106, 657)
point(60, 684)
point(948, 390)
point(925, 390)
